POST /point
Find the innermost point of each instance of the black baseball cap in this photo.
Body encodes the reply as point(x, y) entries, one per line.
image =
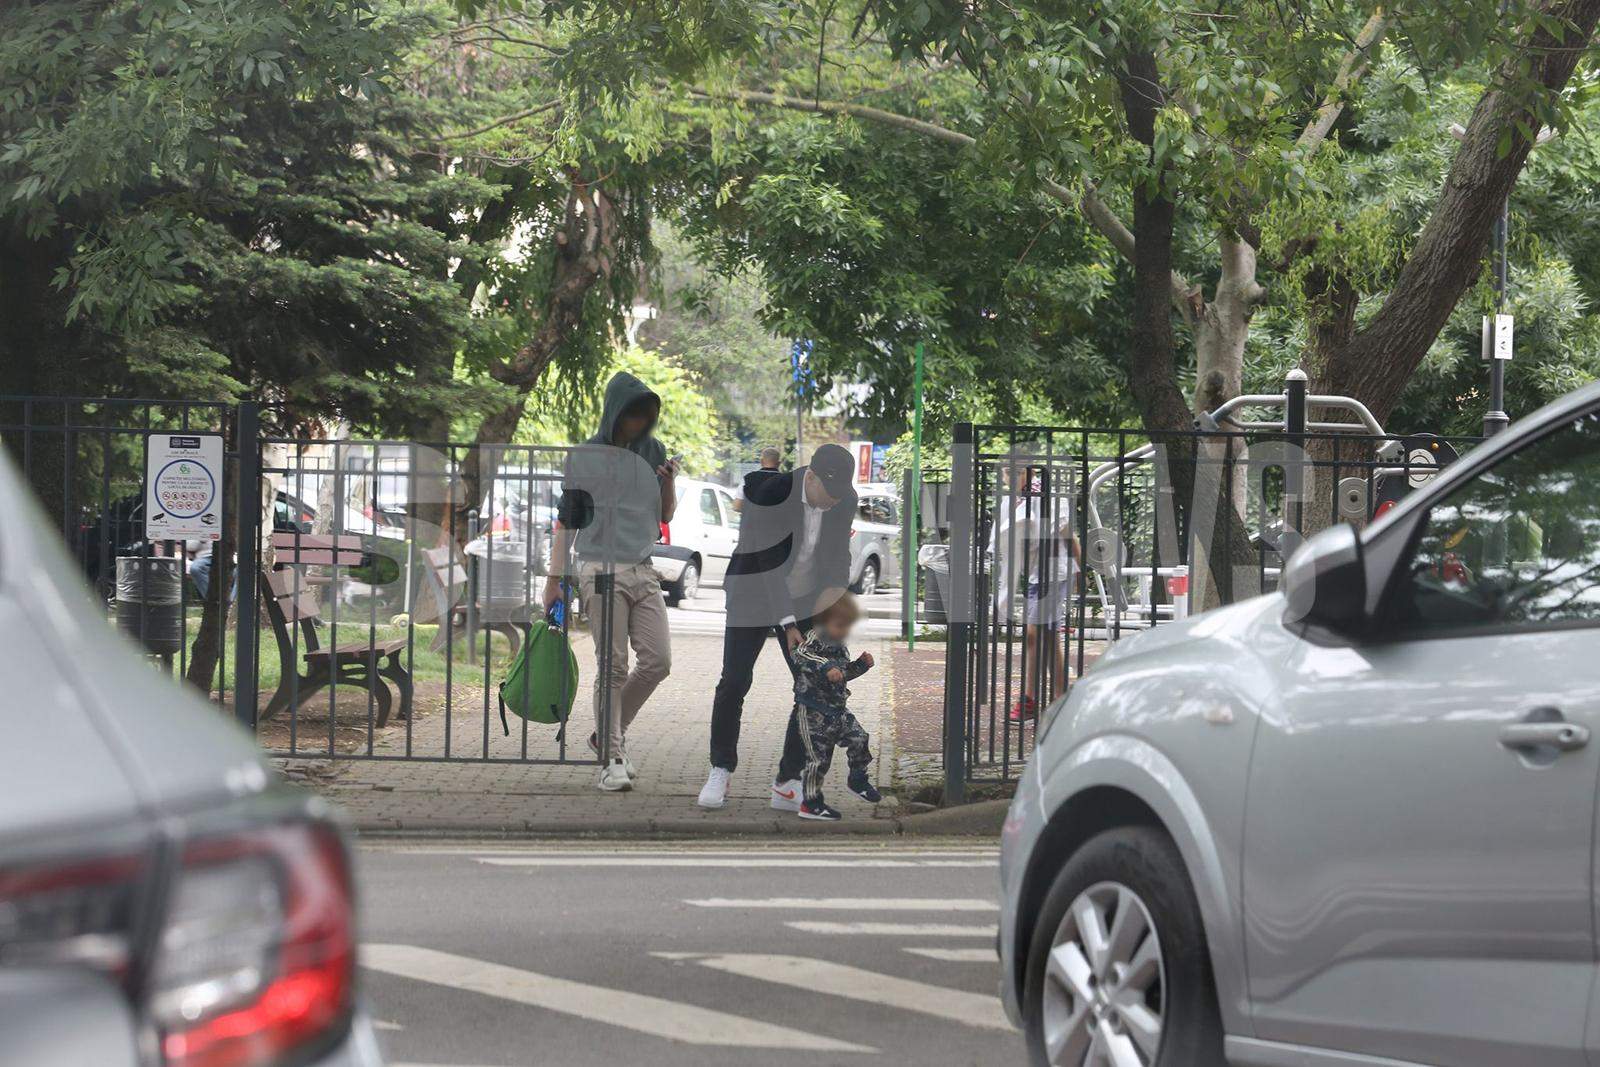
point(834, 468)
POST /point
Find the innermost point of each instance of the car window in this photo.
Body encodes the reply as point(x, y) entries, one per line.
point(730, 508)
point(709, 514)
point(877, 509)
point(1517, 546)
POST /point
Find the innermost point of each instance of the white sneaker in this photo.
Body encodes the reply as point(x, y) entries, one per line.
point(594, 746)
point(714, 794)
point(786, 795)
point(614, 778)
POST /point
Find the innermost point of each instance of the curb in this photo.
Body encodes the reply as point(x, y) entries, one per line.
point(973, 820)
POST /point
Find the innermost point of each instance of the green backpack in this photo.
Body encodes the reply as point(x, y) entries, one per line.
point(543, 680)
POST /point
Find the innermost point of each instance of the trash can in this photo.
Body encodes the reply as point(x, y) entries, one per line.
point(503, 581)
point(149, 602)
point(933, 561)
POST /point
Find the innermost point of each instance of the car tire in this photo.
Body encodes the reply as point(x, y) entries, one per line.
point(686, 587)
point(1135, 875)
point(867, 584)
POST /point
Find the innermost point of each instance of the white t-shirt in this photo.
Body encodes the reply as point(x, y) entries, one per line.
point(802, 576)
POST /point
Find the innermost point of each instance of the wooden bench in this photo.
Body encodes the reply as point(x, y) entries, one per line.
point(362, 663)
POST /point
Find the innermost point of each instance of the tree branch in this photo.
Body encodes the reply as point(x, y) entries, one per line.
point(1354, 65)
point(1088, 203)
point(505, 120)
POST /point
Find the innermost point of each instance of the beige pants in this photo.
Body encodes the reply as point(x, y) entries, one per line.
point(638, 619)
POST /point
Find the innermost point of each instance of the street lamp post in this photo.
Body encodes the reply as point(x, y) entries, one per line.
point(1496, 419)
point(1497, 329)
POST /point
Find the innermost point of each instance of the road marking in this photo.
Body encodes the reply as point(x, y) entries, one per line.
point(849, 904)
point(840, 980)
point(957, 955)
point(616, 1007)
point(746, 862)
point(893, 929)
point(384, 1024)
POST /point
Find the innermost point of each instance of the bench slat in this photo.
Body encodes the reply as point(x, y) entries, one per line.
point(342, 550)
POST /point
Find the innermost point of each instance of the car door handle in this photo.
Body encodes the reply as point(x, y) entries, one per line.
point(1565, 736)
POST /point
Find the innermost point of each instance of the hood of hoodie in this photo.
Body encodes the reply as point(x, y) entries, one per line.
point(621, 391)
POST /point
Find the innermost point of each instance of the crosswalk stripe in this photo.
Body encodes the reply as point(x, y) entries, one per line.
point(892, 929)
point(849, 904)
point(742, 862)
point(616, 1007)
point(841, 980)
point(957, 955)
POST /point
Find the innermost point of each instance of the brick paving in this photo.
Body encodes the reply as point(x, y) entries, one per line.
point(667, 743)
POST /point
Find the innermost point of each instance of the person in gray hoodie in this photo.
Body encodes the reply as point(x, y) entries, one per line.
point(617, 490)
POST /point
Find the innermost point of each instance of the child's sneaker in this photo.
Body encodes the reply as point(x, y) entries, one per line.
point(862, 787)
point(818, 810)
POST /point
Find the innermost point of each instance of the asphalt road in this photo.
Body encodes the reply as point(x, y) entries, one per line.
point(730, 953)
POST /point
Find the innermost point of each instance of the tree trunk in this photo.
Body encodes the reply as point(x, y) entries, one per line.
point(1198, 488)
point(1378, 362)
point(584, 257)
point(206, 650)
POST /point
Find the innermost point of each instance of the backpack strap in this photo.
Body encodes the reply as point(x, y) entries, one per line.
point(503, 724)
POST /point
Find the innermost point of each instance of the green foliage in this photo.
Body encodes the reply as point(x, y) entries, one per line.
point(225, 196)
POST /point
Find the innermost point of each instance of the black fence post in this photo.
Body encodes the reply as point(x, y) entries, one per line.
point(247, 548)
point(960, 610)
point(1294, 473)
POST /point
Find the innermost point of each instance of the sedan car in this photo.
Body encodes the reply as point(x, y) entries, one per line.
point(164, 900)
point(699, 541)
point(1351, 822)
point(875, 540)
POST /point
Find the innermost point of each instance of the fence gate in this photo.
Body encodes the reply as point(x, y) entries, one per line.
point(362, 600)
point(1064, 541)
point(395, 589)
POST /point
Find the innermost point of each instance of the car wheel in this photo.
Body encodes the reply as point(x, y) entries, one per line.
point(1118, 971)
point(867, 584)
point(687, 585)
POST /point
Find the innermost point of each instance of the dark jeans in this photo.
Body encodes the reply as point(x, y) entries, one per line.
point(741, 647)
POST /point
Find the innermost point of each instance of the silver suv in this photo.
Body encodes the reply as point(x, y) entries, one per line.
point(164, 900)
point(1349, 823)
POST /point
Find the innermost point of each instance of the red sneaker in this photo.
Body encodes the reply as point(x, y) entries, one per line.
point(1023, 710)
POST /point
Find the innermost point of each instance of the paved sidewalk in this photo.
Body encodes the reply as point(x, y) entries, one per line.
point(667, 743)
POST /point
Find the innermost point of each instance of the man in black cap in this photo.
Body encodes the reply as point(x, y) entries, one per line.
point(793, 557)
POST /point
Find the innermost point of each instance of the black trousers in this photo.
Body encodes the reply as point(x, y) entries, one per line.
point(741, 647)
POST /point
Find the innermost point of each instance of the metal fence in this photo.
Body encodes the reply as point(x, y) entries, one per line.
point(356, 604)
point(85, 459)
point(363, 570)
point(1066, 540)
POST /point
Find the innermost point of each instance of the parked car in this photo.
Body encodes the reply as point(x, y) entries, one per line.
point(699, 541)
point(875, 540)
point(1350, 822)
point(164, 899)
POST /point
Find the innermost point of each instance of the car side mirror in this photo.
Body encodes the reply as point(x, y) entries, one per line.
point(1325, 581)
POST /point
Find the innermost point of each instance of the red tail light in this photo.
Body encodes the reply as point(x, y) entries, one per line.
point(256, 960)
point(666, 534)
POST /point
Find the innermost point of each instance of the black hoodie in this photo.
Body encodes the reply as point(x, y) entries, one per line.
point(611, 494)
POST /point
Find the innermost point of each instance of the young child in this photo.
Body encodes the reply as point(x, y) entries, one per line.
point(822, 667)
